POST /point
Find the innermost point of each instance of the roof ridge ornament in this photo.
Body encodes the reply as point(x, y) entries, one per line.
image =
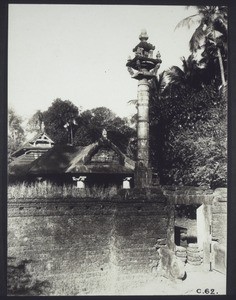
point(42, 127)
point(104, 134)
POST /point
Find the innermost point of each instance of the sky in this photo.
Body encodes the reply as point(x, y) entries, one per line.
point(79, 53)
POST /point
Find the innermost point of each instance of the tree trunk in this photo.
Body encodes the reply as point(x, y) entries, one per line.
point(221, 67)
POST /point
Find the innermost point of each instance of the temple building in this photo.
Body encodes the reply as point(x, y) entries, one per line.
point(100, 163)
point(27, 153)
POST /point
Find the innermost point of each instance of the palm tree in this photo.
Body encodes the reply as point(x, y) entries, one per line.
point(190, 76)
point(212, 28)
point(158, 84)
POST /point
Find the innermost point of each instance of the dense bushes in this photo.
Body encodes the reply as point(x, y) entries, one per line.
point(190, 138)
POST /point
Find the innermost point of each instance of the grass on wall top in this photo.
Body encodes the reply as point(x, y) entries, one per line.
point(47, 190)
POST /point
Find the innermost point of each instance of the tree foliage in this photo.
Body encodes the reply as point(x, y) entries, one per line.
point(92, 122)
point(35, 123)
point(57, 115)
point(200, 144)
point(189, 137)
point(87, 126)
point(210, 34)
point(16, 135)
point(188, 115)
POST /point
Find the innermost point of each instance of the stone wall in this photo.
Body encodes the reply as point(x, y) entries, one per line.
point(219, 216)
point(219, 230)
point(216, 231)
point(188, 194)
point(93, 246)
point(202, 195)
point(86, 246)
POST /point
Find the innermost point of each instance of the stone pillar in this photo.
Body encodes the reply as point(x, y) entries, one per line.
point(143, 172)
point(143, 122)
point(204, 238)
point(146, 67)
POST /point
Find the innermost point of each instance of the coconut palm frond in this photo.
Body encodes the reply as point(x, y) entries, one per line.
point(133, 101)
point(197, 39)
point(162, 77)
point(221, 25)
point(162, 81)
point(223, 10)
point(210, 35)
point(175, 70)
point(217, 34)
point(215, 38)
point(201, 7)
point(188, 64)
point(175, 74)
point(185, 64)
point(189, 21)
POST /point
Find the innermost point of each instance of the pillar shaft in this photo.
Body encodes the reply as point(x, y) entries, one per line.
point(143, 172)
point(143, 122)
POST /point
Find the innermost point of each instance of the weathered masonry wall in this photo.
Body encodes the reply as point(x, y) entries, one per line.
point(88, 246)
point(216, 200)
point(219, 230)
point(93, 246)
point(200, 195)
point(189, 195)
point(219, 216)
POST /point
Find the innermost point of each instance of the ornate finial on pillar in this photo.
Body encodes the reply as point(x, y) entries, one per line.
point(143, 62)
point(143, 35)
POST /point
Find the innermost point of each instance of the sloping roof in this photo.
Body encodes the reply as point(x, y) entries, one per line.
point(37, 136)
point(21, 164)
point(30, 142)
point(81, 164)
point(55, 160)
point(18, 168)
point(70, 159)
